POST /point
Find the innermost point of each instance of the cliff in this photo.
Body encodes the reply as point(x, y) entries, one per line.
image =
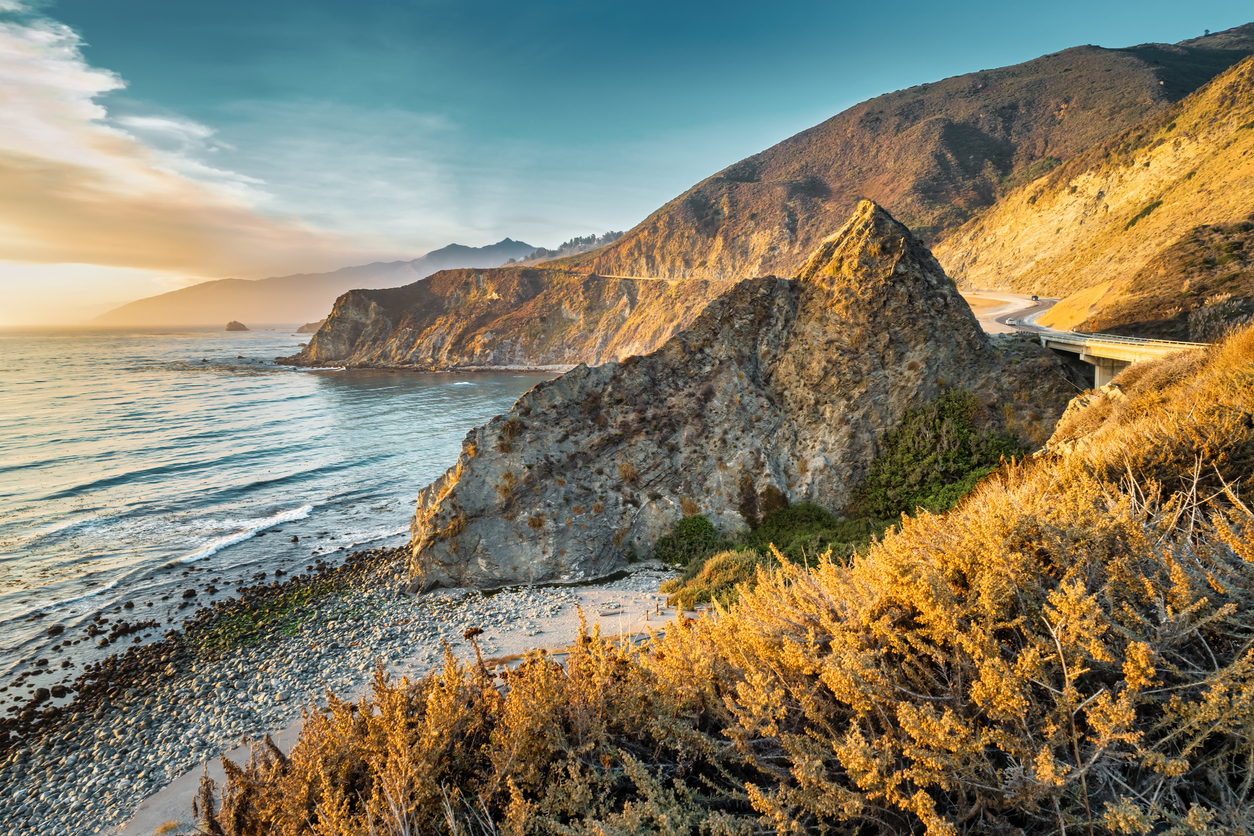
point(779, 389)
point(512, 317)
point(1137, 232)
point(934, 155)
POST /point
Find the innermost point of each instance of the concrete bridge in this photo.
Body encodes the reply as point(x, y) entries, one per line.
point(1109, 354)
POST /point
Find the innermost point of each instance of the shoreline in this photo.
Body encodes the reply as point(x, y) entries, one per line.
point(245, 667)
point(414, 368)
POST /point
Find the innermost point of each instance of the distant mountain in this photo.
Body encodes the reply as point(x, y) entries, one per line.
point(933, 155)
point(1149, 233)
point(303, 297)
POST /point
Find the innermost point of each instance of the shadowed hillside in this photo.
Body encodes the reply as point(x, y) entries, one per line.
point(507, 317)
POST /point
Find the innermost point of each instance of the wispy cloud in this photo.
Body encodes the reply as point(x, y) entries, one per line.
point(135, 193)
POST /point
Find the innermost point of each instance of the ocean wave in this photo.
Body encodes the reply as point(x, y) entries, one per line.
point(240, 536)
point(54, 605)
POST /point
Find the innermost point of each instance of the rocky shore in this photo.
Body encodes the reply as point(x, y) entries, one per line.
point(247, 667)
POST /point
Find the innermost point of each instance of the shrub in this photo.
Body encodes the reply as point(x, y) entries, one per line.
point(715, 578)
point(692, 538)
point(803, 532)
point(933, 458)
point(1144, 213)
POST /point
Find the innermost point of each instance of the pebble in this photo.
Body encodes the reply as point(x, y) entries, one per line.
point(90, 774)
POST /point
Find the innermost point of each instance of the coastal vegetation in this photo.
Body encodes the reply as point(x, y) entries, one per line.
point(1065, 650)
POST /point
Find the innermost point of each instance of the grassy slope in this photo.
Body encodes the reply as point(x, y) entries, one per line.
point(1149, 221)
point(1068, 649)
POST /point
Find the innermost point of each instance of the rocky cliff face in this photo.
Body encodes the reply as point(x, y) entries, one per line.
point(780, 388)
point(507, 317)
point(1101, 230)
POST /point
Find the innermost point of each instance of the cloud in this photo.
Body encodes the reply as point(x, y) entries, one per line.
point(135, 193)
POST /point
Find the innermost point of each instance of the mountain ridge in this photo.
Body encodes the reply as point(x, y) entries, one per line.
point(934, 155)
point(300, 297)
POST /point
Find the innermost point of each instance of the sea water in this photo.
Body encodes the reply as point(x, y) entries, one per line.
point(134, 463)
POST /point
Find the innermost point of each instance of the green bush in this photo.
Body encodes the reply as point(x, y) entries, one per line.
point(932, 459)
point(803, 533)
point(692, 538)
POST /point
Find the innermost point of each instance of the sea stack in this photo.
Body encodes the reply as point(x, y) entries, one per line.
point(778, 391)
point(233, 325)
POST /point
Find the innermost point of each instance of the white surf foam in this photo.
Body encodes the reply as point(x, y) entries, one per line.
point(65, 601)
point(240, 536)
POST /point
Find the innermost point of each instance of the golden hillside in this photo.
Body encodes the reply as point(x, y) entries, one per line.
point(1128, 226)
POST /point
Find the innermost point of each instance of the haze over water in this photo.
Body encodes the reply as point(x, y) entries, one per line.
point(129, 458)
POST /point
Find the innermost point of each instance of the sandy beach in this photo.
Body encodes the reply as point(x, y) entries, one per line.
point(130, 761)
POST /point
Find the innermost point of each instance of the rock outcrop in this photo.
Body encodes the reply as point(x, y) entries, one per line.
point(233, 325)
point(780, 388)
point(504, 318)
point(311, 327)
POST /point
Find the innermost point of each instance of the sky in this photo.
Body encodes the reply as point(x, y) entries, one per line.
point(146, 145)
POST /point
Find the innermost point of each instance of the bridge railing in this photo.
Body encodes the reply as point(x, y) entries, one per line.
point(1075, 338)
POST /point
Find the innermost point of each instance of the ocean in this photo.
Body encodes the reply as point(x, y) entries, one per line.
point(134, 462)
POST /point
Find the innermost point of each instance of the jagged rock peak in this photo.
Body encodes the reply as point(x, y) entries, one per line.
point(871, 246)
point(778, 391)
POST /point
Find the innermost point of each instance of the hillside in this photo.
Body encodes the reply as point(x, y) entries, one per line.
point(303, 297)
point(933, 155)
point(1138, 231)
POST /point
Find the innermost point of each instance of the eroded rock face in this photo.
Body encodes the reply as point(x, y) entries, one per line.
point(779, 388)
point(510, 317)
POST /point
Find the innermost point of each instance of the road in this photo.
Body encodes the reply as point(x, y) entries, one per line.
point(1016, 306)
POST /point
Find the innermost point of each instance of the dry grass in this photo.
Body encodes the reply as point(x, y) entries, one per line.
point(1070, 650)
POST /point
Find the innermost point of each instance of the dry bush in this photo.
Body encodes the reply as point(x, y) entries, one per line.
point(628, 473)
point(1070, 650)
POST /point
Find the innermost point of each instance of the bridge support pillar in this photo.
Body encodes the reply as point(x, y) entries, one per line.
point(1104, 368)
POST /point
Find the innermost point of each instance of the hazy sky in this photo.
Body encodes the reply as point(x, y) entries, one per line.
point(147, 145)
